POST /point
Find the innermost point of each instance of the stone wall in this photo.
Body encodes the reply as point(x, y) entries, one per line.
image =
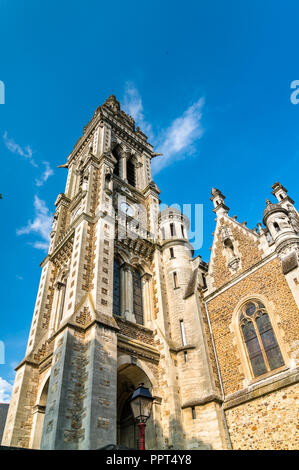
point(266, 423)
point(269, 282)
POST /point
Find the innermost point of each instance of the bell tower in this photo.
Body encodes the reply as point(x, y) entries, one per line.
point(110, 309)
point(109, 206)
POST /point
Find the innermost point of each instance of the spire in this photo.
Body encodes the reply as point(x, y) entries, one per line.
point(280, 192)
point(112, 103)
point(218, 201)
point(271, 209)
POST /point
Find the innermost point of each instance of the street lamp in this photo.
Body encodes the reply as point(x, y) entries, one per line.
point(141, 405)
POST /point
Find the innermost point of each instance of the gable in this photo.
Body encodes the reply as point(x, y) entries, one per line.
point(235, 249)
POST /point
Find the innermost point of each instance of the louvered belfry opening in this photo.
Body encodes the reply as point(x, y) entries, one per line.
point(131, 173)
point(137, 297)
point(116, 168)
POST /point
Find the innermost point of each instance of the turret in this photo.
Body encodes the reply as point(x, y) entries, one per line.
point(176, 252)
point(173, 225)
point(280, 225)
point(280, 192)
point(218, 201)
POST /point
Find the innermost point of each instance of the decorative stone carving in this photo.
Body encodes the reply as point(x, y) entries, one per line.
point(289, 262)
point(234, 264)
point(294, 220)
point(225, 232)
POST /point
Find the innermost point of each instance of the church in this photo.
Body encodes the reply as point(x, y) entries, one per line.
point(123, 301)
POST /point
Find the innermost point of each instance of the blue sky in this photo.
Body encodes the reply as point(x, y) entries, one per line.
point(208, 81)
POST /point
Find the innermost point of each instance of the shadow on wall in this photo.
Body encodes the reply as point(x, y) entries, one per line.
point(3, 415)
point(91, 399)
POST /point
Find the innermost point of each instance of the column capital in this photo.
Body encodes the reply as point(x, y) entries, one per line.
point(146, 277)
point(126, 267)
point(39, 409)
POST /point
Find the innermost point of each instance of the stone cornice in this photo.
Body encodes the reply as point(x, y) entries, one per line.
point(264, 387)
point(127, 344)
point(123, 188)
point(202, 401)
point(294, 240)
point(139, 246)
point(62, 199)
point(91, 160)
point(27, 361)
point(175, 241)
point(151, 189)
point(182, 348)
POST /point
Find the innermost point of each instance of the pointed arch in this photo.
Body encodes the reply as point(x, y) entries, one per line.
point(261, 348)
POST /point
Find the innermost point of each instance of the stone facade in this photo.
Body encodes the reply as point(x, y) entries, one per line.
point(260, 409)
point(121, 301)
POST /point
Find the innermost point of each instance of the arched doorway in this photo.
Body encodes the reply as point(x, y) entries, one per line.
point(129, 376)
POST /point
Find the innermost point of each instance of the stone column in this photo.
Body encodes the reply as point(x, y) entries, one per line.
point(147, 300)
point(37, 425)
point(123, 167)
point(54, 309)
point(60, 305)
point(126, 292)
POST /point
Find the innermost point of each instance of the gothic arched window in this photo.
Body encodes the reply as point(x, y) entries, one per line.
point(260, 341)
point(229, 247)
point(131, 173)
point(137, 297)
point(116, 152)
point(116, 287)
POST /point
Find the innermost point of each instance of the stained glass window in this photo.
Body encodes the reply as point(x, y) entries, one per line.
point(116, 287)
point(137, 297)
point(259, 338)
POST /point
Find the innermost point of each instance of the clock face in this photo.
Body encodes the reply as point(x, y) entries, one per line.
point(127, 209)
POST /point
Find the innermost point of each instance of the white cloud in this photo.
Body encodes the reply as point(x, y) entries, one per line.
point(177, 142)
point(41, 225)
point(41, 245)
point(5, 391)
point(45, 175)
point(13, 147)
point(132, 105)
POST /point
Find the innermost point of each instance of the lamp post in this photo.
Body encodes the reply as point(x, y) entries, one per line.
point(141, 405)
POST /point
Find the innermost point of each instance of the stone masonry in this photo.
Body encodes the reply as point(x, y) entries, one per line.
point(122, 301)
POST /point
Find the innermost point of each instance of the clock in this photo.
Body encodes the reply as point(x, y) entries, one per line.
point(127, 209)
